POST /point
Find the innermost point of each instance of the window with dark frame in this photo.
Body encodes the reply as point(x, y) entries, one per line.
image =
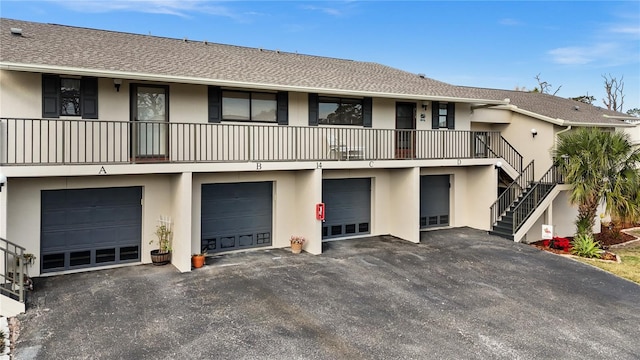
point(70, 97)
point(249, 106)
point(339, 111)
point(442, 115)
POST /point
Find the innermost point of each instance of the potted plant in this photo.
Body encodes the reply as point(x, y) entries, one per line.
point(162, 255)
point(197, 260)
point(296, 243)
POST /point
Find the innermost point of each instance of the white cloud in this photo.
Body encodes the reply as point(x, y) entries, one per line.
point(629, 30)
point(181, 8)
point(326, 10)
point(580, 55)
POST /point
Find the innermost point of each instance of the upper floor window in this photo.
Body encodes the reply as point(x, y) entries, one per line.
point(443, 115)
point(249, 106)
point(70, 97)
point(339, 111)
point(63, 96)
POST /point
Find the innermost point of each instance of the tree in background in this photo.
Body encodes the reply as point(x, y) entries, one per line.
point(601, 167)
point(614, 89)
point(544, 87)
point(587, 99)
point(634, 112)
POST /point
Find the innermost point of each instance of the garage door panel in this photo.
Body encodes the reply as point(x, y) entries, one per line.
point(348, 207)
point(236, 215)
point(75, 223)
point(434, 200)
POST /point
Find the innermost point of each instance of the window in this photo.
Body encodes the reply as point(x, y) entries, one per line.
point(249, 106)
point(443, 115)
point(69, 97)
point(338, 111)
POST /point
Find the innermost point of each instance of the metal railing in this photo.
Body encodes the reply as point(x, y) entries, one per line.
point(12, 270)
point(538, 192)
point(63, 141)
point(503, 149)
point(512, 192)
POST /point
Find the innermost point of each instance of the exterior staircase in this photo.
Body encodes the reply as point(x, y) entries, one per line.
point(12, 278)
point(520, 200)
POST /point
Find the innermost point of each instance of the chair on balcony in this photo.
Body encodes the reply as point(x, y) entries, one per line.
point(340, 151)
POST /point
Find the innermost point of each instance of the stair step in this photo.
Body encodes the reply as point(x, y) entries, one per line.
point(507, 229)
point(501, 234)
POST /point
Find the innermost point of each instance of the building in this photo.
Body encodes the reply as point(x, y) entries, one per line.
point(103, 133)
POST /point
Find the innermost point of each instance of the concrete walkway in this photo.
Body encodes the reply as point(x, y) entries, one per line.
point(460, 293)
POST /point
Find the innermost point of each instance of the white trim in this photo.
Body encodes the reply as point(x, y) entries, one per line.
point(217, 82)
point(562, 122)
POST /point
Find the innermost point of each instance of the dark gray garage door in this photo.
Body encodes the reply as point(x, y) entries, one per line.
point(434, 201)
point(236, 216)
point(348, 207)
point(83, 228)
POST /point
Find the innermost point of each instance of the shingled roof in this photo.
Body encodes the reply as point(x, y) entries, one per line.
point(553, 108)
point(55, 47)
point(66, 49)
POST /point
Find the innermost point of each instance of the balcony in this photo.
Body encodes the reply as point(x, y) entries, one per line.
point(69, 142)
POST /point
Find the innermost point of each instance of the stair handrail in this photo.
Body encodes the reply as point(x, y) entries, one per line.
point(538, 192)
point(505, 150)
point(12, 274)
point(512, 192)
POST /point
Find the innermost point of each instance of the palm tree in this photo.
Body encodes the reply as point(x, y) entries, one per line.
point(601, 167)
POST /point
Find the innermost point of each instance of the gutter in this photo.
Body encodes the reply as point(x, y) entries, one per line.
point(217, 82)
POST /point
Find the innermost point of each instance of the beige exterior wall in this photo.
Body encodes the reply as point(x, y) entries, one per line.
point(404, 200)
point(308, 193)
point(285, 216)
point(473, 190)
point(491, 116)
point(384, 113)
point(23, 219)
point(188, 103)
point(112, 105)
point(20, 94)
point(463, 116)
point(564, 216)
point(181, 195)
point(298, 109)
point(537, 148)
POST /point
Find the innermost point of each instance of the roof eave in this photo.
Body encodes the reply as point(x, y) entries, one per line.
point(38, 68)
point(576, 123)
point(562, 122)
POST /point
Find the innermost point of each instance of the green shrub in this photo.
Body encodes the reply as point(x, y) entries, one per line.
point(585, 245)
point(583, 226)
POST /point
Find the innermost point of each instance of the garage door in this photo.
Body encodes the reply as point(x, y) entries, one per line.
point(434, 201)
point(82, 228)
point(236, 216)
point(348, 207)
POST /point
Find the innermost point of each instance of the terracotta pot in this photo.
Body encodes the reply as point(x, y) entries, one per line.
point(296, 248)
point(197, 261)
point(158, 258)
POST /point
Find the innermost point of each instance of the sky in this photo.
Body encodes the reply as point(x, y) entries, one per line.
point(492, 44)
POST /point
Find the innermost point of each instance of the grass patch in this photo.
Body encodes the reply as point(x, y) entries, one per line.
point(630, 266)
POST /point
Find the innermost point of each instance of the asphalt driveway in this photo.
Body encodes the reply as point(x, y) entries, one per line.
point(460, 293)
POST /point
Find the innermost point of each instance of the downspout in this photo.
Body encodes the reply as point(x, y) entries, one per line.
point(555, 143)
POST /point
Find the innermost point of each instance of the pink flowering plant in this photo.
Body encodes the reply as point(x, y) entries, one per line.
point(297, 239)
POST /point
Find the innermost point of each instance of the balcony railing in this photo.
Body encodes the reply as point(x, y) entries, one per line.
point(58, 141)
